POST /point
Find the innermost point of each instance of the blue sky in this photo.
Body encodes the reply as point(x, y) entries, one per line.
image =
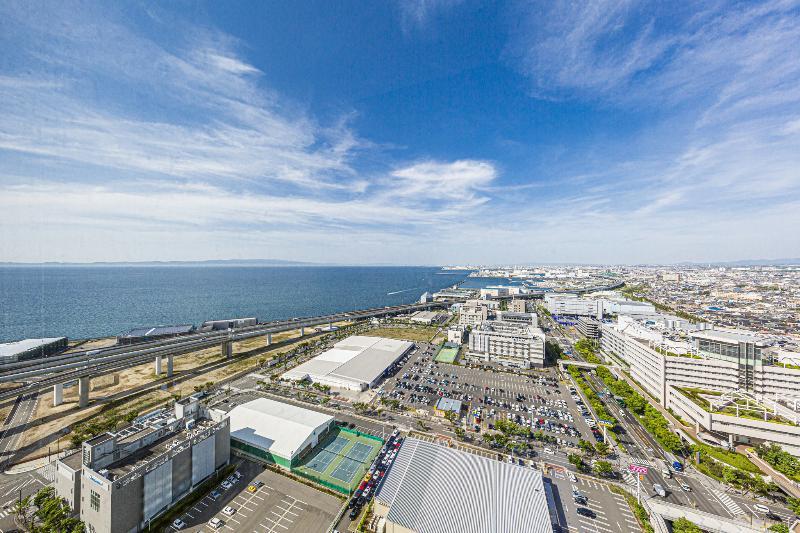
point(417, 132)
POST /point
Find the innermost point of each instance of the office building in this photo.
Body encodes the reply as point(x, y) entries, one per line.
point(12, 352)
point(472, 316)
point(588, 327)
point(518, 306)
point(355, 363)
point(717, 380)
point(121, 481)
point(508, 344)
point(574, 305)
point(513, 317)
point(432, 488)
point(276, 432)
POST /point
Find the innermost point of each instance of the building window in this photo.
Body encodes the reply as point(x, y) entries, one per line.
point(94, 501)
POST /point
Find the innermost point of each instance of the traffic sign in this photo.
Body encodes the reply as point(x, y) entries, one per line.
point(638, 469)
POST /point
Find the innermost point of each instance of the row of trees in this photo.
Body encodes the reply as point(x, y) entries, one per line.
point(601, 468)
point(51, 513)
point(781, 460)
point(588, 351)
point(650, 417)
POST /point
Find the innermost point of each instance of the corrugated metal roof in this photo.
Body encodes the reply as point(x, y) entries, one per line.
point(8, 349)
point(434, 489)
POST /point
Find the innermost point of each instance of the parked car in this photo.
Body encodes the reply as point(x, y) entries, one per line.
point(229, 510)
point(585, 511)
point(215, 523)
point(178, 524)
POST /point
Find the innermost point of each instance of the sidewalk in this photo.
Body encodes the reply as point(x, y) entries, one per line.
point(36, 464)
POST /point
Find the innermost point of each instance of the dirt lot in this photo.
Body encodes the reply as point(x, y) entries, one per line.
point(94, 344)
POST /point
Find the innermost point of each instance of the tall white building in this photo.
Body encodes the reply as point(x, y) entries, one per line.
point(706, 377)
point(507, 343)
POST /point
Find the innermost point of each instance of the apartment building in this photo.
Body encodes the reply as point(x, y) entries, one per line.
point(507, 343)
point(525, 319)
point(120, 481)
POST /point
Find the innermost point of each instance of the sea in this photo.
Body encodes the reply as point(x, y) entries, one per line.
point(82, 302)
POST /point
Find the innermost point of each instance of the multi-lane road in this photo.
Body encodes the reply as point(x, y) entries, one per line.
point(641, 449)
point(60, 369)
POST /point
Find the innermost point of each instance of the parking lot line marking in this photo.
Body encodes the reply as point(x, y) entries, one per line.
point(594, 526)
point(286, 510)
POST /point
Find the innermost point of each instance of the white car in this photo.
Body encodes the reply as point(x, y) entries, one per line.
point(549, 451)
point(229, 510)
point(226, 485)
point(178, 524)
point(572, 478)
point(215, 523)
point(761, 508)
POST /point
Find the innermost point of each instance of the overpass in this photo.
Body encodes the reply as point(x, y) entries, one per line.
point(81, 366)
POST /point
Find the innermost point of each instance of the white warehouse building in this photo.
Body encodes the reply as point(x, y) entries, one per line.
point(355, 363)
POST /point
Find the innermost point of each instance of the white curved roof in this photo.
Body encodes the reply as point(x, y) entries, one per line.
point(278, 427)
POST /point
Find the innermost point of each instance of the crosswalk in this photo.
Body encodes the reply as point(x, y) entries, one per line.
point(641, 461)
point(629, 478)
point(728, 502)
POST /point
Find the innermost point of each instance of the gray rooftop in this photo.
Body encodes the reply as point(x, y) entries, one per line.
point(432, 489)
point(10, 349)
point(728, 336)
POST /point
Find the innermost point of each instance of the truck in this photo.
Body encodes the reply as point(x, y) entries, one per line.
point(674, 462)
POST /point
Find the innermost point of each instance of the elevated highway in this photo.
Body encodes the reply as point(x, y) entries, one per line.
point(81, 366)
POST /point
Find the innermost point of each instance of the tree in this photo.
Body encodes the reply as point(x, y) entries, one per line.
point(451, 417)
point(603, 468)
point(794, 505)
point(602, 448)
point(586, 446)
point(360, 407)
point(682, 525)
point(779, 528)
point(460, 433)
point(576, 460)
point(22, 508)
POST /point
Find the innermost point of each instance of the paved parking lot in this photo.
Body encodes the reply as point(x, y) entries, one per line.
point(490, 395)
point(281, 505)
point(610, 511)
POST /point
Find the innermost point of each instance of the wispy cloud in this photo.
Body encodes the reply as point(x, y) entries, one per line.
point(415, 14)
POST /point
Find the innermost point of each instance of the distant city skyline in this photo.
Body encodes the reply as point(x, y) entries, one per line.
point(421, 132)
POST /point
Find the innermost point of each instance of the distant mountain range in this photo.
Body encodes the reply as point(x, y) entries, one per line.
point(744, 262)
point(210, 262)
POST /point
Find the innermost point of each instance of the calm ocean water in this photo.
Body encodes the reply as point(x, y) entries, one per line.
point(82, 302)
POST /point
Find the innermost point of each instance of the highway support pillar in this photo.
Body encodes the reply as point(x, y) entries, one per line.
point(227, 350)
point(302, 331)
point(158, 369)
point(330, 326)
point(269, 339)
point(170, 365)
point(58, 394)
point(83, 391)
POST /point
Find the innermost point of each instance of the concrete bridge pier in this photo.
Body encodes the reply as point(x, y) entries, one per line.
point(269, 339)
point(330, 326)
point(58, 394)
point(170, 365)
point(302, 331)
point(83, 391)
point(227, 349)
point(158, 369)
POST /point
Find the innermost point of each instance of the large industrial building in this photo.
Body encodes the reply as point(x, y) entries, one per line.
point(574, 305)
point(12, 352)
point(120, 481)
point(719, 381)
point(431, 488)
point(507, 343)
point(355, 363)
point(153, 333)
point(276, 432)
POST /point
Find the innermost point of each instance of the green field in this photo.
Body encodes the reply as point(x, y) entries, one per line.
point(446, 354)
point(340, 461)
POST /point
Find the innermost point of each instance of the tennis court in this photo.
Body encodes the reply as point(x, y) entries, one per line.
point(340, 460)
point(447, 353)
